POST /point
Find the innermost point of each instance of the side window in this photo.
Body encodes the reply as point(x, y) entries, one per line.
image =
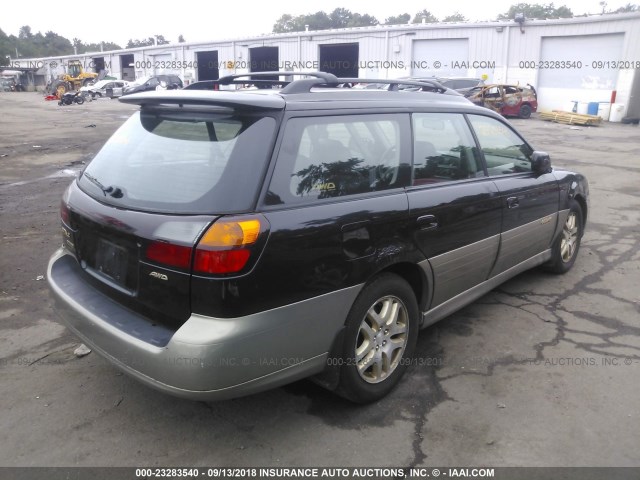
point(504, 151)
point(327, 157)
point(492, 92)
point(443, 149)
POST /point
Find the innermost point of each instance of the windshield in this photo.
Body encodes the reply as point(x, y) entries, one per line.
point(139, 81)
point(181, 162)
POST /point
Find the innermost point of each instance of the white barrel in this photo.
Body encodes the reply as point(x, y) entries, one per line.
point(583, 108)
point(617, 112)
point(604, 109)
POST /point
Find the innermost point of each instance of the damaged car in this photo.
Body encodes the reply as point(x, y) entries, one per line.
point(507, 100)
point(105, 88)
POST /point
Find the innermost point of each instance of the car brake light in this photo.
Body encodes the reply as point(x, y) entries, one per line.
point(64, 213)
point(169, 254)
point(226, 245)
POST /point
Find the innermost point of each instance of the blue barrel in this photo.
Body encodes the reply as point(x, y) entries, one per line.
point(593, 108)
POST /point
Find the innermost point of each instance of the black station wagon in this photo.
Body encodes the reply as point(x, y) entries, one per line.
point(224, 243)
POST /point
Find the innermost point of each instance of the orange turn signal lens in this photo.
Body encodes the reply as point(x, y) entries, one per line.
point(227, 245)
point(231, 233)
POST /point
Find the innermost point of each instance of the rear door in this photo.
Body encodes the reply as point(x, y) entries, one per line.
point(336, 203)
point(454, 208)
point(529, 201)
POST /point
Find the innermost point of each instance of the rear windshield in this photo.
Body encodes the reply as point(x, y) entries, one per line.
point(167, 162)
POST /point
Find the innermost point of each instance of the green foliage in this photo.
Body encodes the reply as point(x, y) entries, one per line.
point(628, 8)
point(456, 17)
point(339, 18)
point(37, 45)
point(94, 47)
point(401, 19)
point(147, 42)
point(426, 15)
point(536, 10)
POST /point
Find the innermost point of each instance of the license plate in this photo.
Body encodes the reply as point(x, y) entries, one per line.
point(112, 261)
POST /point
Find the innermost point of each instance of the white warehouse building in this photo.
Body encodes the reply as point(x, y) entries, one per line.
point(583, 59)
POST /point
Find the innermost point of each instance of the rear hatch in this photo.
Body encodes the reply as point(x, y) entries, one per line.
point(135, 216)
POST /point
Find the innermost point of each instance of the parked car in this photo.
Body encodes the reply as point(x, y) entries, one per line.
point(224, 243)
point(105, 88)
point(460, 84)
point(155, 82)
point(203, 85)
point(508, 100)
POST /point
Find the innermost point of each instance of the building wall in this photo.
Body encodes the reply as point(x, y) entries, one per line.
point(499, 51)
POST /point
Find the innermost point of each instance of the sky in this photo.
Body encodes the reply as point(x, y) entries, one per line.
point(199, 20)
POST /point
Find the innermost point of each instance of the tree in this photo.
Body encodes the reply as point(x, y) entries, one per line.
point(401, 19)
point(456, 17)
point(339, 18)
point(181, 39)
point(628, 8)
point(25, 32)
point(426, 15)
point(147, 42)
point(536, 10)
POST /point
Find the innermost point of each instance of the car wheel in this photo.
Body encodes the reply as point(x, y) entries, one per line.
point(525, 111)
point(380, 336)
point(565, 249)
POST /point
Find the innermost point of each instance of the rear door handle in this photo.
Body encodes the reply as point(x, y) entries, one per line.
point(427, 222)
point(513, 202)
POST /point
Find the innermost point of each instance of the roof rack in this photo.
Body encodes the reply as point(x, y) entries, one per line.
point(320, 79)
point(426, 85)
point(305, 85)
point(268, 80)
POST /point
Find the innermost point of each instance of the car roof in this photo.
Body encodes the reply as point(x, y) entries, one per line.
point(320, 99)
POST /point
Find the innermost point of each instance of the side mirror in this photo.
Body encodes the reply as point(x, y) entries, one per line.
point(540, 163)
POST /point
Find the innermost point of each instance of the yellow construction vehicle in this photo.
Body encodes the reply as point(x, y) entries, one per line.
point(75, 78)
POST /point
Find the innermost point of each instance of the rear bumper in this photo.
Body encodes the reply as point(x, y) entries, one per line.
point(207, 358)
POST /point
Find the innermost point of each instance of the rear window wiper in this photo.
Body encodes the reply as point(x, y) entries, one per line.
point(115, 192)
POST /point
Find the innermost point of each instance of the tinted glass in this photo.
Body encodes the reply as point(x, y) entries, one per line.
point(443, 149)
point(504, 151)
point(183, 163)
point(327, 157)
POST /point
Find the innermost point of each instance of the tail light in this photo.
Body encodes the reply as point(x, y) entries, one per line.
point(170, 254)
point(227, 245)
point(64, 213)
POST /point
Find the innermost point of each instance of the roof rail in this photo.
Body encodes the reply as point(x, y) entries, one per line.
point(427, 85)
point(305, 85)
point(321, 79)
point(254, 77)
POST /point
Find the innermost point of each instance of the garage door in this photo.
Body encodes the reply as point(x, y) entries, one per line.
point(163, 64)
point(451, 54)
point(582, 79)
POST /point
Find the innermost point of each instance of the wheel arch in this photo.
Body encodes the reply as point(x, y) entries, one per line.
point(415, 277)
point(583, 206)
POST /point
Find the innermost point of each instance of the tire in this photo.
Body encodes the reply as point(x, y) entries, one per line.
point(566, 247)
point(525, 111)
point(374, 358)
point(59, 88)
point(79, 100)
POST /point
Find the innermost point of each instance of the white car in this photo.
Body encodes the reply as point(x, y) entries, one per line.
point(106, 88)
